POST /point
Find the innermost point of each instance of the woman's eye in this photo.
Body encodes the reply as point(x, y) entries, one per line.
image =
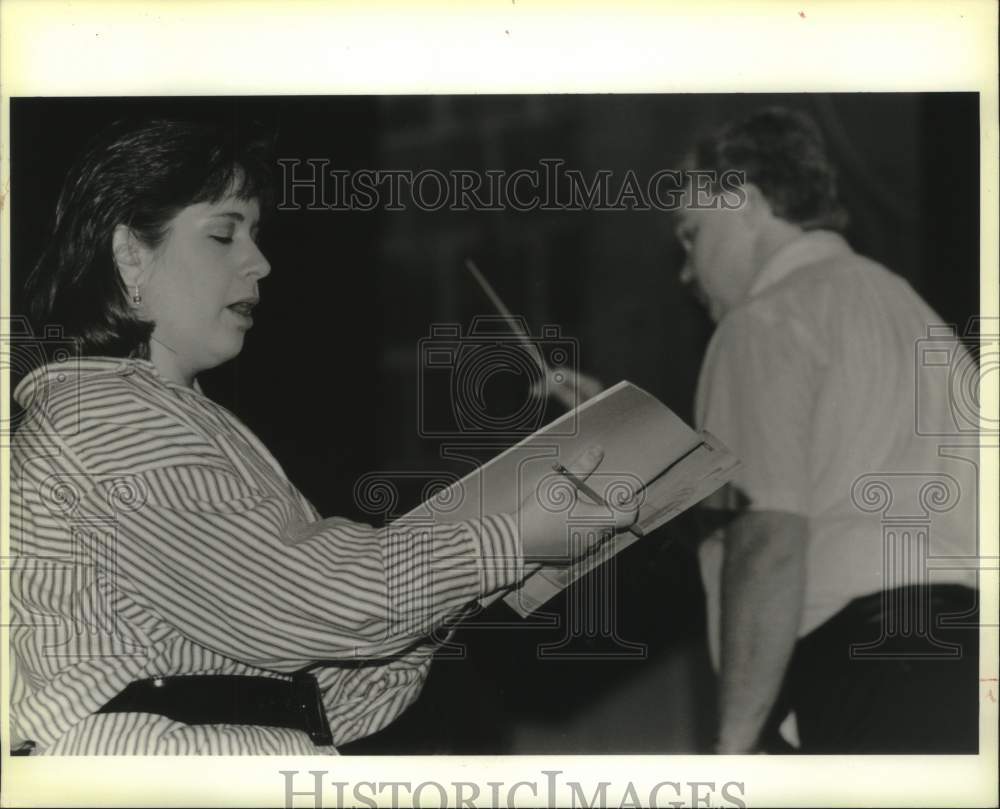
point(223, 239)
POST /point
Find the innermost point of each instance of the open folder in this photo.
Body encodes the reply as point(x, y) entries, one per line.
point(648, 451)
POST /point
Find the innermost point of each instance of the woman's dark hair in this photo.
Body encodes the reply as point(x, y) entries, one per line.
point(139, 175)
point(784, 154)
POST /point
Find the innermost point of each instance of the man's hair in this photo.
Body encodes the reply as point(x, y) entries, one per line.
point(784, 154)
point(140, 175)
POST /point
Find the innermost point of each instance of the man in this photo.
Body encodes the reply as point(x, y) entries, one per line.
point(815, 603)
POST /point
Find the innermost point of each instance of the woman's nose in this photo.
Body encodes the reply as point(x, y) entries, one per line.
point(257, 263)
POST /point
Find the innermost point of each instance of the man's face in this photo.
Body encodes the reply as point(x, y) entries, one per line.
point(720, 247)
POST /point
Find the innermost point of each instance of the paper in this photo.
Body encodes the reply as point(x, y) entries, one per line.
point(647, 449)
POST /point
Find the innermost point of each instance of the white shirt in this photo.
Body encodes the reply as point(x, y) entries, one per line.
point(819, 382)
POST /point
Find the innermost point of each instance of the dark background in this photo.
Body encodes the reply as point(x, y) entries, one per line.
point(328, 378)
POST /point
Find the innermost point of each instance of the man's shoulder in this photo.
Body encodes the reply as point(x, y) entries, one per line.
point(843, 269)
point(797, 307)
point(837, 283)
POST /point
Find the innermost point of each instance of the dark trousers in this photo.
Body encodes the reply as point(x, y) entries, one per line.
point(894, 672)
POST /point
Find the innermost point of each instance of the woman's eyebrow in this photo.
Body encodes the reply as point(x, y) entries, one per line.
point(234, 216)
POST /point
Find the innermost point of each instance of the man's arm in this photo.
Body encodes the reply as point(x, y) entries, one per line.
point(763, 581)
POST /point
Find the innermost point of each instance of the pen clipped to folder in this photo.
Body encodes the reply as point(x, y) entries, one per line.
point(583, 488)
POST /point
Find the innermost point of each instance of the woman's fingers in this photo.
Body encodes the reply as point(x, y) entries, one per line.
point(586, 462)
point(618, 506)
point(620, 499)
point(625, 514)
point(608, 508)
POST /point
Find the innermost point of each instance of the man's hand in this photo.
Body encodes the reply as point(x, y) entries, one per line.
point(570, 387)
point(545, 530)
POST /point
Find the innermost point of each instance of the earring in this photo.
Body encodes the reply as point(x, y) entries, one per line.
point(136, 297)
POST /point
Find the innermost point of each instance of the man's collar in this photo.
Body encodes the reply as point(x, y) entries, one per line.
point(809, 248)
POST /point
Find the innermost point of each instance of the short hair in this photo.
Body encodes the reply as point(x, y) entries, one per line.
point(139, 174)
point(784, 154)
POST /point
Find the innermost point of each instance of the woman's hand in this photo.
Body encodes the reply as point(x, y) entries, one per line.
point(545, 529)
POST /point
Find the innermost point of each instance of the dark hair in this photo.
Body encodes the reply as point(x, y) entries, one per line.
point(783, 153)
point(140, 175)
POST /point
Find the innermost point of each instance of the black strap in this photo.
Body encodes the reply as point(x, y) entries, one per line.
point(217, 699)
point(25, 748)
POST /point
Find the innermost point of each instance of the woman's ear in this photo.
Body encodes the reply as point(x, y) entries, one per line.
point(128, 255)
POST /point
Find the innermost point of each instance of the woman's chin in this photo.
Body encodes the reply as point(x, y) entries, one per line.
point(227, 350)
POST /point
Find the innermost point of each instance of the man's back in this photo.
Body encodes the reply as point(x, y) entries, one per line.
point(816, 383)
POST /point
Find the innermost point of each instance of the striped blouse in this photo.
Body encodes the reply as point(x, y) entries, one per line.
point(152, 534)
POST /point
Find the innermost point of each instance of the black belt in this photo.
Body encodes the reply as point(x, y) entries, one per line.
point(927, 601)
point(223, 699)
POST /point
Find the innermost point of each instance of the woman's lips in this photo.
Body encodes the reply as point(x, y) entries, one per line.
point(242, 307)
point(241, 311)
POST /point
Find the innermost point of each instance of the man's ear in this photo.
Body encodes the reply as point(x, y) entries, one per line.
point(757, 208)
point(129, 255)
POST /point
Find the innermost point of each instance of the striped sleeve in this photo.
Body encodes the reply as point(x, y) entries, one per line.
point(212, 557)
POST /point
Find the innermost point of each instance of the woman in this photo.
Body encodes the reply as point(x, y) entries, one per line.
point(172, 591)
